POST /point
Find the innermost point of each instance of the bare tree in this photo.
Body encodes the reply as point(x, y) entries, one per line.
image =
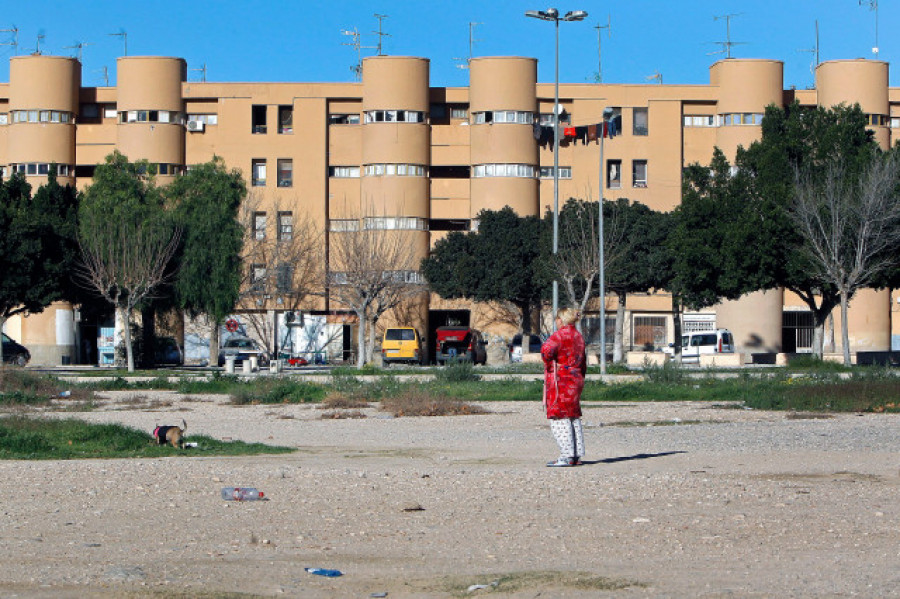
point(125, 261)
point(280, 271)
point(850, 227)
point(373, 270)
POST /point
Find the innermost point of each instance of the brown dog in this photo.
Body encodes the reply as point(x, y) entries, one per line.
point(171, 435)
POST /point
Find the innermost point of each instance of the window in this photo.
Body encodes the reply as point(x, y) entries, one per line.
point(396, 223)
point(504, 116)
point(343, 172)
point(639, 173)
point(208, 119)
point(565, 172)
point(641, 122)
point(649, 332)
point(546, 118)
point(4, 118)
point(258, 119)
point(259, 226)
point(343, 119)
point(503, 170)
point(259, 172)
point(895, 122)
point(405, 170)
point(90, 111)
point(285, 120)
point(459, 112)
point(284, 278)
point(343, 224)
point(395, 116)
point(614, 174)
point(257, 278)
point(285, 172)
point(151, 116)
point(109, 112)
point(706, 120)
point(285, 226)
point(744, 118)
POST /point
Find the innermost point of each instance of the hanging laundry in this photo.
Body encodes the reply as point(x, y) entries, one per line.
point(569, 132)
point(592, 132)
point(581, 134)
point(536, 131)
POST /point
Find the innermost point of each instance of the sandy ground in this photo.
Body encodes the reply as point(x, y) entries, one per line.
point(713, 502)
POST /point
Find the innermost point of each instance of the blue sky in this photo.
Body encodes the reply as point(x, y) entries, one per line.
point(258, 40)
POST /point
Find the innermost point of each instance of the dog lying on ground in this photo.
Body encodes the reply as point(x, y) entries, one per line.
point(171, 435)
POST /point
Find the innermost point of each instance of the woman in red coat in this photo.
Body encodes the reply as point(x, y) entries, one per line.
point(565, 365)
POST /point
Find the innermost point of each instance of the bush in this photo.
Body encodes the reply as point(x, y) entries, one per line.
point(457, 371)
point(416, 401)
point(272, 391)
point(666, 373)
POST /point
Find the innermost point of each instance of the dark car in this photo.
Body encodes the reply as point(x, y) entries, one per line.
point(516, 348)
point(167, 352)
point(460, 343)
point(242, 348)
point(13, 353)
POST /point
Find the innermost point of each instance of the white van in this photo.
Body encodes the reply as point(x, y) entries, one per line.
point(693, 344)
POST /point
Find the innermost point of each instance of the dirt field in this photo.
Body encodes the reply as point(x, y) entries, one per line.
point(675, 500)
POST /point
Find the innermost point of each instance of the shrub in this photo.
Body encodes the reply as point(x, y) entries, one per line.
point(457, 371)
point(271, 391)
point(416, 401)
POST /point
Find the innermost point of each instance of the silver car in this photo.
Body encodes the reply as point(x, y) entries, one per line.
point(242, 348)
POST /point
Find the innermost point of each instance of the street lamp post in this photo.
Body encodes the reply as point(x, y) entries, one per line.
point(607, 113)
point(552, 14)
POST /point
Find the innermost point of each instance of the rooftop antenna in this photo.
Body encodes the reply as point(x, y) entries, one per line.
point(202, 71)
point(124, 35)
point(600, 29)
point(380, 33)
point(80, 46)
point(15, 39)
point(105, 72)
point(472, 41)
point(354, 34)
point(727, 44)
point(657, 75)
point(40, 38)
point(873, 5)
point(814, 51)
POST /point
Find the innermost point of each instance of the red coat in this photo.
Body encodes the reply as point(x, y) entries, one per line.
point(565, 365)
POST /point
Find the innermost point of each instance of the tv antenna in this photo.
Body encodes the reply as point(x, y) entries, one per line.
point(472, 41)
point(727, 44)
point(15, 39)
point(105, 72)
point(657, 76)
point(355, 44)
point(124, 35)
point(600, 29)
point(381, 34)
point(814, 51)
point(80, 46)
point(202, 71)
point(873, 5)
point(40, 38)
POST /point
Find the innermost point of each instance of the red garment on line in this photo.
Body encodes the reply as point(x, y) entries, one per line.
point(569, 131)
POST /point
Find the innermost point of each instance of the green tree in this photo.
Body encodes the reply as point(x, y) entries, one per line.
point(37, 245)
point(498, 262)
point(809, 141)
point(207, 201)
point(127, 239)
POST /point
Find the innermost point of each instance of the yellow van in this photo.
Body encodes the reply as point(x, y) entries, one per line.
point(401, 344)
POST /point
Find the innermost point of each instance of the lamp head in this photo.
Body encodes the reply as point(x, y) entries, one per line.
point(575, 15)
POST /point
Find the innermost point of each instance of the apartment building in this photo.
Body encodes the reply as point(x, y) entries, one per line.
point(394, 153)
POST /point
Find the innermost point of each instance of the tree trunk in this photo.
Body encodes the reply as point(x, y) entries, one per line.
point(129, 350)
point(845, 330)
point(619, 343)
point(361, 340)
point(148, 336)
point(676, 321)
point(213, 342)
point(828, 342)
point(525, 309)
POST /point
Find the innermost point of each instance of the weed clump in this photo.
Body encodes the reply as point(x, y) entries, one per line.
point(419, 402)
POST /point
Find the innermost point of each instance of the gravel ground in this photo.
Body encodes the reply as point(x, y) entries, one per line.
point(675, 500)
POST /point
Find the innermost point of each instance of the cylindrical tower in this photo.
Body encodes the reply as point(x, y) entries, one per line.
point(43, 103)
point(396, 151)
point(504, 154)
point(745, 88)
point(863, 82)
point(151, 111)
point(860, 81)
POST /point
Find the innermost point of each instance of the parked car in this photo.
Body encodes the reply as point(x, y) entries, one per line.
point(719, 341)
point(167, 352)
point(13, 353)
point(242, 348)
point(460, 343)
point(533, 346)
point(401, 344)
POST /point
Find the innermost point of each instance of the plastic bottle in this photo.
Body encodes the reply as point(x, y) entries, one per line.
point(324, 572)
point(241, 494)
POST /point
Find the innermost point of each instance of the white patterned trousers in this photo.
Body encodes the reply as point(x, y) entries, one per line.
point(569, 436)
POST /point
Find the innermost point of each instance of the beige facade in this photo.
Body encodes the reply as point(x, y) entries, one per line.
point(423, 160)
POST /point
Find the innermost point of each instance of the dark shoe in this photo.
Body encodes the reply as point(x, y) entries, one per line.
point(561, 463)
point(577, 461)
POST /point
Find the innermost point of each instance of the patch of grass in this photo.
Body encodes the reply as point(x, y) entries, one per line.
point(276, 390)
point(415, 401)
point(503, 390)
point(810, 362)
point(24, 438)
point(457, 371)
point(20, 387)
point(515, 582)
point(344, 401)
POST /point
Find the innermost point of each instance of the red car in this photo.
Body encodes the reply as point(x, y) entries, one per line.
point(460, 343)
